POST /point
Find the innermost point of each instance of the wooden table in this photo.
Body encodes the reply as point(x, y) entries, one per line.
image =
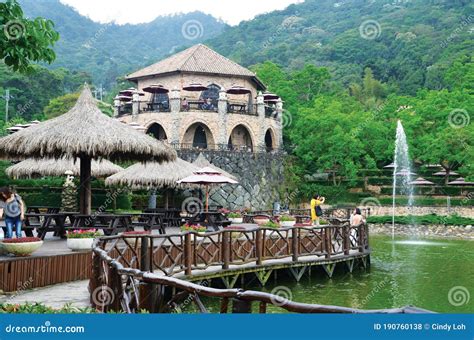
point(237, 107)
point(47, 222)
point(150, 221)
point(111, 224)
point(213, 219)
point(195, 104)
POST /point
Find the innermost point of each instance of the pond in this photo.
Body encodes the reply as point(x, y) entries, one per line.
point(435, 274)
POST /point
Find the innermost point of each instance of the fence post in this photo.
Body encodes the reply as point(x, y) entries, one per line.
point(144, 254)
point(241, 306)
point(226, 244)
point(294, 243)
point(95, 274)
point(259, 246)
point(327, 241)
point(188, 256)
point(346, 232)
point(360, 240)
point(115, 280)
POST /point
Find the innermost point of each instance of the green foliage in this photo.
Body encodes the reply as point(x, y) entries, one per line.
point(24, 40)
point(39, 308)
point(60, 105)
point(424, 219)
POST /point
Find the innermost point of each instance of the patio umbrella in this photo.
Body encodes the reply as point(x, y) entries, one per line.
point(195, 87)
point(432, 166)
point(58, 167)
point(130, 91)
point(237, 89)
point(124, 98)
point(156, 88)
point(421, 181)
point(202, 162)
point(86, 133)
point(389, 166)
point(207, 176)
point(460, 181)
point(268, 96)
point(444, 173)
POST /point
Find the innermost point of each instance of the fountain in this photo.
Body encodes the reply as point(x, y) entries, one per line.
point(401, 172)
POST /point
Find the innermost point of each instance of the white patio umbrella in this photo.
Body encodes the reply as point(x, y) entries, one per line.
point(207, 176)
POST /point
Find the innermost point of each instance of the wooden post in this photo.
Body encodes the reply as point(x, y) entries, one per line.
point(327, 242)
point(259, 246)
point(294, 243)
point(147, 296)
point(360, 241)
point(346, 229)
point(116, 284)
point(241, 306)
point(226, 244)
point(144, 254)
point(188, 256)
point(85, 185)
point(95, 274)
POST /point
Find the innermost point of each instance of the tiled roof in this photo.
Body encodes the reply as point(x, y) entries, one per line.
point(198, 58)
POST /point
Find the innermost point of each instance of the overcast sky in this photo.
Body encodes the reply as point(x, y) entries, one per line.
point(139, 11)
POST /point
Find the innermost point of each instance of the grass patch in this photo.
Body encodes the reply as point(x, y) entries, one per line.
point(424, 219)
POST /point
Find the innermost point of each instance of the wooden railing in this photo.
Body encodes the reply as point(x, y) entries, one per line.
point(123, 278)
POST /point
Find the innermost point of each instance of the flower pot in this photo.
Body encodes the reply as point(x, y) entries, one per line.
point(236, 220)
point(21, 249)
point(287, 223)
point(76, 244)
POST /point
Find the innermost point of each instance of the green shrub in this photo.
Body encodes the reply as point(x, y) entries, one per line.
point(424, 219)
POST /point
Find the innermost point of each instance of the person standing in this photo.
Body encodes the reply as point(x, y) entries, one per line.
point(316, 210)
point(12, 209)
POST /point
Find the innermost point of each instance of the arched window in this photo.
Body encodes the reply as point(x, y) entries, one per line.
point(198, 135)
point(200, 138)
point(269, 140)
point(240, 139)
point(157, 131)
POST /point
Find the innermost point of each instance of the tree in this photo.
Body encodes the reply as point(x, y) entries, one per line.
point(22, 40)
point(371, 92)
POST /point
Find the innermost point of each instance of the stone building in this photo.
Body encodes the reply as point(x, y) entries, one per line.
point(200, 101)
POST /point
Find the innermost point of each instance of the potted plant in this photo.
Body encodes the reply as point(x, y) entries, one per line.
point(287, 221)
point(22, 246)
point(133, 240)
point(81, 239)
point(261, 219)
point(235, 217)
point(270, 225)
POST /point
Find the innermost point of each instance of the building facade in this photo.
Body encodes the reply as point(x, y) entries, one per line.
point(200, 101)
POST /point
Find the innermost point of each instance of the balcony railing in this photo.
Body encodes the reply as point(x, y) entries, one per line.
point(221, 147)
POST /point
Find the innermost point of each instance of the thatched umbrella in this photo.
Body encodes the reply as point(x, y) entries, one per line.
point(460, 181)
point(153, 176)
point(58, 167)
point(202, 162)
point(86, 133)
point(421, 181)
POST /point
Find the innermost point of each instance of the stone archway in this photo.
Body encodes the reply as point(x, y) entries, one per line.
point(240, 138)
point(199, 136)
point(157, 131)
point(270, 140)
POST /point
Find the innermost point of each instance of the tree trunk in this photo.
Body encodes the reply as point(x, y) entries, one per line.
point(85, 185)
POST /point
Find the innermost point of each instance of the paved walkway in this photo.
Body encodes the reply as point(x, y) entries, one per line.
point(74, 293)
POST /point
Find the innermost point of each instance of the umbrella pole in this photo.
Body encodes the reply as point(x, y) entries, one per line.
point(167, 198)
point(85, 185)
point(207, 198)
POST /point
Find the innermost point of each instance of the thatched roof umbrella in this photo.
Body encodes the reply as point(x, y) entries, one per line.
point(58, 167)
point(202, 162)
point(421, 181)
point(85, 133)
point(153, 175)
point(460, 181)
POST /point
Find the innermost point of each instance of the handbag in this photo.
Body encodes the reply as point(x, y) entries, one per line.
point(319, 211)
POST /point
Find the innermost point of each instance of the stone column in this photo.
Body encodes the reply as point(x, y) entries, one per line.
point(261, 117)
point(222, 121)
point(281, 121)
point(135, 105)
point(279, 110)
point(116, 106)
point(175, 100)
point(175, 108)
